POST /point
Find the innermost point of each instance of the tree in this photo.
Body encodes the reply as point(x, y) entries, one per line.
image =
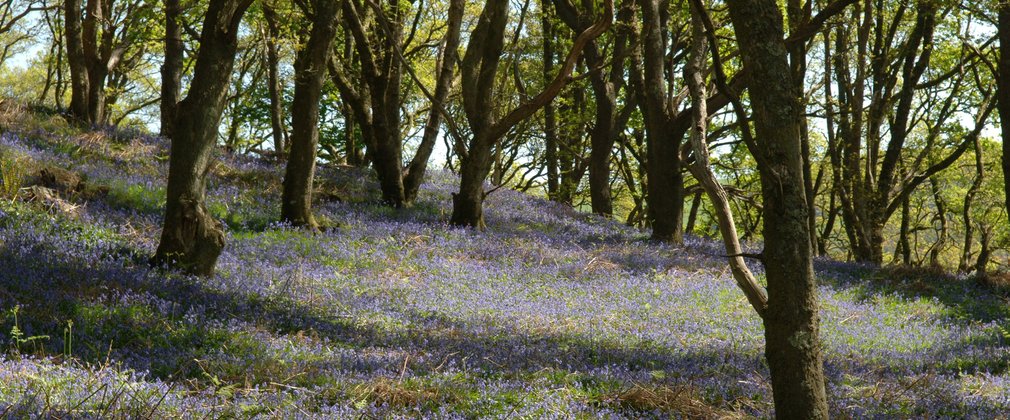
point(1003, 91)
point(16, 24)
point(375, 93)
point(792, 330)
point(446, 71)
point(665, 195)
point(96, 44)
point(480, 65)
point(699, 167)
point(310, 72)
point(609, 121)
point(191, 239)
point(279, 134)
point(171, 69)
point(878, 121)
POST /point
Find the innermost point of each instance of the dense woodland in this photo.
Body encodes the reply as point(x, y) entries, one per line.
point(762, 136)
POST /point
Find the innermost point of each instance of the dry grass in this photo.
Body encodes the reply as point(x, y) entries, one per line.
point(680, 400)
point(393, 393)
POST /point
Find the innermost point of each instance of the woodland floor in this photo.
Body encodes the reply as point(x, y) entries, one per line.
point(547, 313)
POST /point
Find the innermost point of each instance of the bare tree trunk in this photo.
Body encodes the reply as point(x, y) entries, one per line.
point(480, 63)
point(792, 331)
point(941, 214)
point(75, 60)
point(415, 171)
point(550, 122)
point(277, 131)
point(171, 70)
point(969, 197)
point(692, 216)
point(693, 72)
point(310, 71)
point(1003, 93)
point(191, 238)
point(665, 188)
point(904, 249)
point(985, 237)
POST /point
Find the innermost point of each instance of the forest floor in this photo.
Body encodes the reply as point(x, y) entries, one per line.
point(547, 313)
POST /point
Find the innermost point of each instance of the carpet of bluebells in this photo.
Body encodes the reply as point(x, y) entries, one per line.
point(548, 313)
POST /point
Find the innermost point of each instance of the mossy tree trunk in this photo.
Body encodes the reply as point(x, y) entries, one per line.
point(310, 72)
point(664, 191)
point(171, 69)
point(191, 238)
point(792, 330)
point(277, 131)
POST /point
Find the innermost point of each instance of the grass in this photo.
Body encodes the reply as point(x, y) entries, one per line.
point(395, 314)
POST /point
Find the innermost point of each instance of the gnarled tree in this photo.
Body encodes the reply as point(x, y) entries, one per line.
point(480, 66)
point(374, 93)
point(191, 239)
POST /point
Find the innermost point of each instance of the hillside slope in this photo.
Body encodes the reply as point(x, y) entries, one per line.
point(549, 313)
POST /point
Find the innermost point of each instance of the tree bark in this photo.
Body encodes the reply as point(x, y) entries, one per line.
point(415, 171)
point(277, 131)
point(480, 63)
point(1003, 93)
point(191, 238)
point(75, 60)
point(791, 319)
point(701, 170)
point(665, 188)
point(310, 72)
point(171, 69)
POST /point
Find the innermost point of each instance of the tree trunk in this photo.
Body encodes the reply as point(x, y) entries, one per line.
point(171, 69)
point(985, 237)
point(480, 64)
point(191, 238)
point(693, 72)
point(415, 171)
point(976, 184)
point(692, 216)
point(904, 248)
point(605, 89)
point(791, 321)
point(550, 122)
point(97, 55)
point(941, 215)
point(277, 131)
point(376, 104)
point(602, 137)
point(1003, 94)
point(467, 204)
point(665, 188)
point(75, 60)
point(310, 71)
